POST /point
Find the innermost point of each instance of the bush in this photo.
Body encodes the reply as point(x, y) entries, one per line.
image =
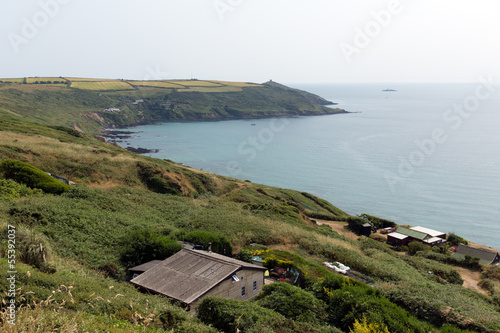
point(9, 190)
point(292, 302)
point(455, 240)
point(154, 179)
point(415, 247)
point(487, 285)
point(229, 315)
point(30, 176)
point(349, 300)
point(244, 255)
point(378, 222)
point(219, 243)
point(491, 272)
point(144, 245)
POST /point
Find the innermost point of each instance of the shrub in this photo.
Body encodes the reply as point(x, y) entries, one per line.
point(378, 222)
point(491, 272)
point(292, 302)
point(415, 247)
point(154, 179)
point(9, 190)
point(230, 315)
point(244, 255)
point(349, 300)
point(219, 243)
point(364, 326)
point(455, 240)
point(487, 285)
point(144, 245)
point(30, 176)
point(109, 269)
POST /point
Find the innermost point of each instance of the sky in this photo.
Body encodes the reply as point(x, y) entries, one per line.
point(288, 41)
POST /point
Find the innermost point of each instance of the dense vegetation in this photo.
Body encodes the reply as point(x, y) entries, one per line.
point(73, 247)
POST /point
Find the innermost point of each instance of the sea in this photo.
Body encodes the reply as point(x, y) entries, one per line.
point(426, 154)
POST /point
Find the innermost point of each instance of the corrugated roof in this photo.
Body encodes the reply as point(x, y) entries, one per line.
point(189, 274)
point(430, 232)
point(397, 235)
point(434, 240)
point(412, 233)
point(144, 267)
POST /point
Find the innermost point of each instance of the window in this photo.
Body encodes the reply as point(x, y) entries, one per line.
point(243, 291)
point(255, 286)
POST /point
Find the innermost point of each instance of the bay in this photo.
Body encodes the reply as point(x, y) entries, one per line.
point(426, 154)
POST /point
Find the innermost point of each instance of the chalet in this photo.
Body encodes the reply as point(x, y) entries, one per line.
point(404, 236)
point(486, 257)
point(190, 275)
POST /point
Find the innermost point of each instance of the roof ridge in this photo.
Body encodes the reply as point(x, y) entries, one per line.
point(207, 255)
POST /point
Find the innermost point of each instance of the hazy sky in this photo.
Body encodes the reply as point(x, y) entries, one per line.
point(289, 41)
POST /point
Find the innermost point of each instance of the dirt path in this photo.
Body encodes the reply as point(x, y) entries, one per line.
point(340, 227)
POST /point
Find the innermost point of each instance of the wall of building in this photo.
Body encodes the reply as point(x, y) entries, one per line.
point(231, 289)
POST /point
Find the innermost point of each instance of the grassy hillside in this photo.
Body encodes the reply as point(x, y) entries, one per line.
point(90, 104)
point(84, 232)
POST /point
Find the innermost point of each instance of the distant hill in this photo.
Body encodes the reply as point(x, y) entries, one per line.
point(90, 104)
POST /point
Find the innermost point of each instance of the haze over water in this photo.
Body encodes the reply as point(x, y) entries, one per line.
point(427, 154)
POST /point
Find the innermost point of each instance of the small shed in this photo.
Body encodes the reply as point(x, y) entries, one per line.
point(190, 275)
point(366, 229)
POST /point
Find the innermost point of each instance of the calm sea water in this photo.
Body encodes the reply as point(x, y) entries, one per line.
point(427, 154)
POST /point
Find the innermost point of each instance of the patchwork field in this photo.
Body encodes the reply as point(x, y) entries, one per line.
point(195, 83)
point(44, 79)
point(238, 84)
point(18, 80)
point(155, 84)
point(211, 89)
point(101, 85)
point(117, 85)
point(81, 79)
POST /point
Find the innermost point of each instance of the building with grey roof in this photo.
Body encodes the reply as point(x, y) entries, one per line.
point(189, 275)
